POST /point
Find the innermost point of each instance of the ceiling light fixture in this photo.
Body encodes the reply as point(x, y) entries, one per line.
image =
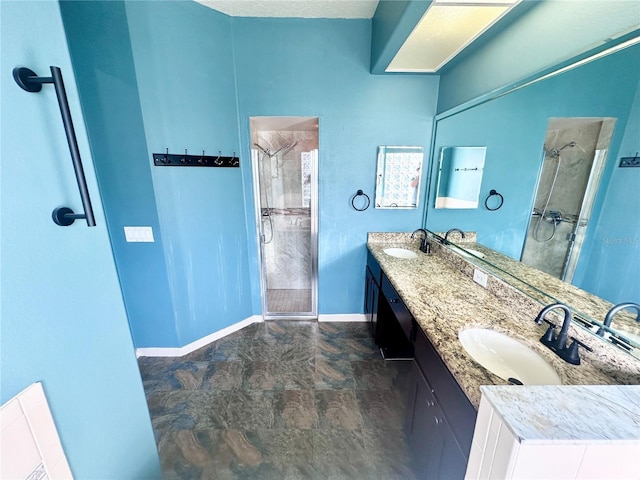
point(444, 30)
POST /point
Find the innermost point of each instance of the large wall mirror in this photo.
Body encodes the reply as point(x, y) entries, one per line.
point(538, 140)
point(398, 177)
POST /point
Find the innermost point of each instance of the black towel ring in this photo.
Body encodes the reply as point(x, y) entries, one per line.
point(360, 193)
point(493, 193)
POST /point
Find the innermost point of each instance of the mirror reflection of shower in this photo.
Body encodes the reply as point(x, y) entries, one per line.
point(574, 154)
point(553, 217)
point(284, 157)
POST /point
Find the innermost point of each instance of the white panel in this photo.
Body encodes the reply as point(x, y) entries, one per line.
point(610, 461)
point(505, 454)
point(475, 463)
point(19, 456)
point(30, 439)
point(549, 462)
point(485, 413)
point(490, 447)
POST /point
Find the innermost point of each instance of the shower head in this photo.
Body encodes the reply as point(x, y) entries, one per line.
point(570, 144)
point(265, 151)
point(555, 152)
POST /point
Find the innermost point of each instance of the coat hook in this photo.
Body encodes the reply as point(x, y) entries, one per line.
point(165, 159)
point(184, 159)
point(202, 160)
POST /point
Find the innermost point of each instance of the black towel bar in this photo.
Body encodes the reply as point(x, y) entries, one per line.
point(28, 80)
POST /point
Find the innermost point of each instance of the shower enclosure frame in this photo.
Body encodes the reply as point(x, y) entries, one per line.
point(579, 230)
point(313, 206)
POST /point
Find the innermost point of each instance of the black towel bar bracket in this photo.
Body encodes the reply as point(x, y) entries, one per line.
point(28, 80)
point(185, 160)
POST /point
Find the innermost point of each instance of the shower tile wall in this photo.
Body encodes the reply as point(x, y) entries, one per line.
point(568, 192)
point(288, 256)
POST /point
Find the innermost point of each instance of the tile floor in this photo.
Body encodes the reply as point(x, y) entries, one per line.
point(289, 301)
point(281, 400)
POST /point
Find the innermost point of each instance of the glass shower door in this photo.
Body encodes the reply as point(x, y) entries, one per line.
point(285, 186)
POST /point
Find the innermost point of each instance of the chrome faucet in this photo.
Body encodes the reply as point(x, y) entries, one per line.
point(425, 246)
point(615, 309)
point(558, 344)
point(451, 230)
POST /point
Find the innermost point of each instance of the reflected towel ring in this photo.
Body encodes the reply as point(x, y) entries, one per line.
point(360, 193)
point(493, 193)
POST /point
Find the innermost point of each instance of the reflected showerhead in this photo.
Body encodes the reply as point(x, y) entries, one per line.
point(555, 152)
point(286, 147)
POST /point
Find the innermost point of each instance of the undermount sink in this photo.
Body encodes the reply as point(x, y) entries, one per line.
point(400, 253)
point(507, 358)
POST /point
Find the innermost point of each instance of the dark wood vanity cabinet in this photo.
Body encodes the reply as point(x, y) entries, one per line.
point(385, 311)
point(372, 293)
point(440, 419)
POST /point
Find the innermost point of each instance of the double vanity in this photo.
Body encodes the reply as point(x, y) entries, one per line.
point(471, 339)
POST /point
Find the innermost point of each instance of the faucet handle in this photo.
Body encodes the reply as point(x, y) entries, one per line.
point(578, 342)
point(571, 354)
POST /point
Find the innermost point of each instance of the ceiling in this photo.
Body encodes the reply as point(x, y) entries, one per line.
point(294, 8)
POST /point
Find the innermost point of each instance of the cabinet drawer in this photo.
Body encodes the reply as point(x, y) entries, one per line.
point(374, 266)
point(400, 310)
point(460, 413)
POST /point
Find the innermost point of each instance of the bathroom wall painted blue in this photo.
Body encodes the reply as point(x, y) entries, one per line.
point(321, 68)
point(513, 129)
point(63, 319)
point(185, 71)
point(614, 244)
point(98, 38)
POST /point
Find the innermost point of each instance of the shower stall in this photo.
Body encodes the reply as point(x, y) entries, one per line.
point(575, 151)
point(284, 155)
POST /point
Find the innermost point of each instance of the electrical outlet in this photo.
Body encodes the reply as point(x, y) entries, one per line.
point(480, 278)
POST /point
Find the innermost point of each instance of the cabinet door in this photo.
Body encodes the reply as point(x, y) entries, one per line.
point(434, 449)
point(460, 414)
point(400, 310)
point(371, 302)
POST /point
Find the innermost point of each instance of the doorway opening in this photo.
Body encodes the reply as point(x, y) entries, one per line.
point(574, 154)
point(284, 156)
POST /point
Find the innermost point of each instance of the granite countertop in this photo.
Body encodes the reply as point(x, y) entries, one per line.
point(444, 301)
point(583, 302)
point(531, 413)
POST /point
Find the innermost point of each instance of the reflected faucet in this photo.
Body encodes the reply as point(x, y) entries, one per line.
point(425, 246)
point(451, 230)
point(610, 314)
point(559, 344)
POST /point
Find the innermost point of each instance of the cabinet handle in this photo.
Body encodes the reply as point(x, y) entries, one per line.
point(430, 403)
point(437, 420)
point(394, 300)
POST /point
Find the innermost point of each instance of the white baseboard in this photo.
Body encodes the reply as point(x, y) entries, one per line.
point(343, 317)
point(201, 342)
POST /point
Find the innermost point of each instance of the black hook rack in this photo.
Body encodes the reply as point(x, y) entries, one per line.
point(360, 193)
point(30, 81)
point(630, 161)
point(185, 160)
